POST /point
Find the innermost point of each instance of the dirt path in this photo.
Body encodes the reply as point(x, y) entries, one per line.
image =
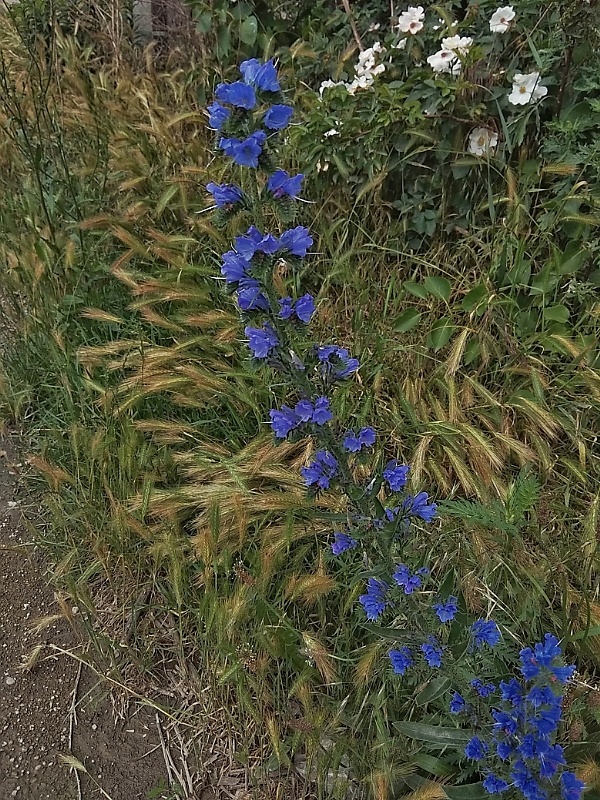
point(57, 708)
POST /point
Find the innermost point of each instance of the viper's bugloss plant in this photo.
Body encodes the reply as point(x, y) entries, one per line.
point(513, 721)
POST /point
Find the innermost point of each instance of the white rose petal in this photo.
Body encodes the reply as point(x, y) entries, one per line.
point(501, 19)
point(411, 20)
point(526, 88)
point(482, 141)
point(442, 61)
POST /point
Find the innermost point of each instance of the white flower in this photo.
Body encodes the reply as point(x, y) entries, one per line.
point(447, 59)
point(437, 27)
point(411, 21)
point(401, 45)
point(458, 44)
point(482, 141)
point(329, 85)
point(443, 61)
point(501, 19)
point(332, 132)
point(526, 88)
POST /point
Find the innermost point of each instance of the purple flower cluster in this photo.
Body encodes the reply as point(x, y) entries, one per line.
point(342, 542)
point(281, 185)
point(354, 442)
point(301, 309)
point(289, 419)
point(322, 470)
point(396, 475)
point(522, 746)
point(336, 362)
point(374, 600)
point(407, 580)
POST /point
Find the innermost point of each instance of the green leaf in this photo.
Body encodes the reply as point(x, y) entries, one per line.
point(416, 289)
point(438, 286)
point(166, 198)
point(439, 336)
point(249, 30)
point(204, 22)
point(407, 320)
point(593, 631)
point(433, 734)
point(396, 634)
point(223, 40)
point(474, 297)
point(472, 791)
point(432, 765)
point(557, 313)
point(434, 689)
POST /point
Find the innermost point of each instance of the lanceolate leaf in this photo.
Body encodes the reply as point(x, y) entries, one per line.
point(434, 734)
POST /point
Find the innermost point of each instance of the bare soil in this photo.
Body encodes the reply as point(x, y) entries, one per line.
point(57, 707)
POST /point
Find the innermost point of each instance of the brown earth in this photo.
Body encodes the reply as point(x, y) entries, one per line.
point(58, 707)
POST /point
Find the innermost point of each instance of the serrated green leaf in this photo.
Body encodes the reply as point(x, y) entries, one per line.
point(438, 286)
point(433, 734)
point(407, 320)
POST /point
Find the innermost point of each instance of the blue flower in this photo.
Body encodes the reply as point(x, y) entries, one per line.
point(495, 785)
point(322, 470)
point(433, 651)
point(542, 695)
point(278, 117)
point(281, 185)
point(572, 787)
point(550, 758)
point(237, 94)
point(253, 242)
point(283, 421)
point(562, 673)
point(446, 611)
point(457, 704)
point(247, 152)
point(419, 507)
point(546, 652)
point(401, 660)
point(250, 296)
point(336, 361)
point(485, 632)
point(529, 666)
point(545, 720)
point(505, 750)
point(218, 116)
point(476, 749)
point(409, 582)
point(374, 602)
point(483, 689)
point(225, 194)
point(504, 722)
point(297, 241)
point(305, 410)
point(511, 692)
point(396, 475)
point(341, 543)
point(322, 413)
point(354, 443)
point(261, 340)
point(262, 76)
point(233, 267)
point(303, 308)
